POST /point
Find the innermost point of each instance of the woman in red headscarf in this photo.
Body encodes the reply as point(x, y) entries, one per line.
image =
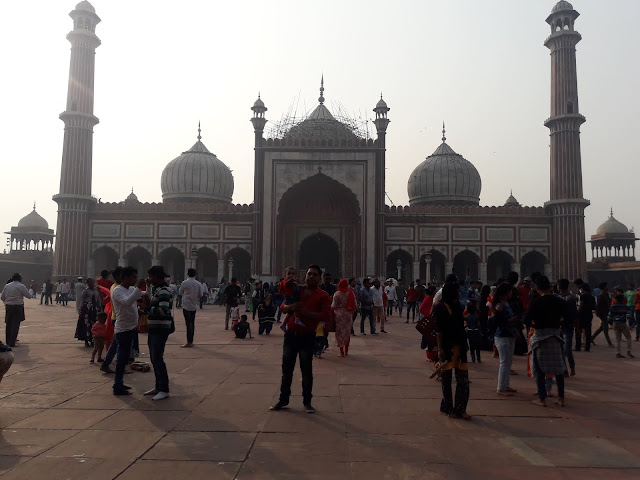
point(344, 304)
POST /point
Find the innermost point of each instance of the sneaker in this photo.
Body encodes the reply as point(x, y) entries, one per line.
point(309, 408)
point(153, 391)
point(106, 370)
point(383, 331)
point(630, 355)
point(278, 406)
point(362, 333)
point(121, 391)
point(619, 355)
point(161, 396)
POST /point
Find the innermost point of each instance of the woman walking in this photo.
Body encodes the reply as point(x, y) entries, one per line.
point(505, 340)
point(90, 305)
point(452, 351)
point(344, 305)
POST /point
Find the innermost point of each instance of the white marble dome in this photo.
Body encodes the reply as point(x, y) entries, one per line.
point(86, 6)
point(562, 5)
point(33, 220)
point(612, 226)
point(444, 178)
point(197, 176)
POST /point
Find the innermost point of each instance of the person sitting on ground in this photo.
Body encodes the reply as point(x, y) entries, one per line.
point(618, 317)
point(99, 331)
point(242, 328)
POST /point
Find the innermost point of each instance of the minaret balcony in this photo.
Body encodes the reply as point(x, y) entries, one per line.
point(569, 119)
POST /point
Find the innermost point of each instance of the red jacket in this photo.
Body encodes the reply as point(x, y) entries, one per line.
point(412, 295)
point(425, 307)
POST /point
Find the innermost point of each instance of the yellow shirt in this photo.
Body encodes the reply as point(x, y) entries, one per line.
point(320, 330)
point(113, 310)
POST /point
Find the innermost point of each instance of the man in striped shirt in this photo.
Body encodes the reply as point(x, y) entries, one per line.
point(619, 315)
point(160, 327)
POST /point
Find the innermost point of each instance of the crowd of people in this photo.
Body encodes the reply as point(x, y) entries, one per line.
point(458, 320)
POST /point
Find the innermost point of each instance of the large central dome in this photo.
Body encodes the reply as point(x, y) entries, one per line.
point(321, 125)
point(197, 176)
point(444, 178)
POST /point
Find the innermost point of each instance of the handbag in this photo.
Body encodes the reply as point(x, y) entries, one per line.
point(427, 327)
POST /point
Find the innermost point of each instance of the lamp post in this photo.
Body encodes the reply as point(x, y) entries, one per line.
point(427, 259)
point(399, 267)
point(230, 267)
point(194, 256)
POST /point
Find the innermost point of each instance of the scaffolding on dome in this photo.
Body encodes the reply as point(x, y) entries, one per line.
point(357, 123)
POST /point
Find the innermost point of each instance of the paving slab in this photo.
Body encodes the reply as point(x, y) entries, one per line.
point(377, 414)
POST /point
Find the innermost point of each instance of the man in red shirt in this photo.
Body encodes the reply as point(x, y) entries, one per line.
point(104, 281)
point(314, 307)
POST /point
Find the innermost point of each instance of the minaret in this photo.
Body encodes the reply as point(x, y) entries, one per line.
point(566, 203)
point(381, 122)
point(74, 199)
point(259, 121)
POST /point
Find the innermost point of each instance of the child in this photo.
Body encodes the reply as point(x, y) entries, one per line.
point(99, 331)
point(291, 290)
point(472, 326)
point(242, 328)
point(234, 313)
point(320, 342)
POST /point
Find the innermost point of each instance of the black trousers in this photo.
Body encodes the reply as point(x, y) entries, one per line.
point(297, 345)
point(462, 392)
point(14, 314)
point(190, 322)
point(586, 327)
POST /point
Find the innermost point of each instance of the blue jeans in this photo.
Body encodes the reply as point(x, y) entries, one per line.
point(567, 336)
point(156, 343)
point(124, 341)
point(111, 353)
point(367, 312)
point(505, 346)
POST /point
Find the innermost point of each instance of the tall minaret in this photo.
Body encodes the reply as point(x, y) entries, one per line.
point(381, 122)
point(566, 203)
point(259, 121)
point(74, 199)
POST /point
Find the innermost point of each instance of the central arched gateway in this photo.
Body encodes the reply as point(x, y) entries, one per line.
point(321, 250)
point(319, 222)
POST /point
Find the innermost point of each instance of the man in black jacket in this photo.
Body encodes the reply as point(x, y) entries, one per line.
point(232, 292)
point(603, 303)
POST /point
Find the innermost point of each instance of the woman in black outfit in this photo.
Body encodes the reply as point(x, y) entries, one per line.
point(452, 349)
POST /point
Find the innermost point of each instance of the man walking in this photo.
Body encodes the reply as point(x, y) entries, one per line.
point(390, 290)
point(124, 298)
point(619, 315)
point(65, 289)
point(232, 293)
point(48, 296)
point(13, 296)
point(401, 292)
point(603, 304)
point(366, 306)
point(327, 284)
point(191, 291)
point(314, 307)
point(378, 304)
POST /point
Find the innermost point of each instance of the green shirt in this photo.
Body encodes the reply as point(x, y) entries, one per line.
point(629, 296)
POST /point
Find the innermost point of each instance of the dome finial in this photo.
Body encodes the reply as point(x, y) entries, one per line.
point(199, 136)
point(611, 212)
point(444, 138)
point(321, 99)
point(34, 206)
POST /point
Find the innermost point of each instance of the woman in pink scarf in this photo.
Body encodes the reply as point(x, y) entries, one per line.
point(344, 304)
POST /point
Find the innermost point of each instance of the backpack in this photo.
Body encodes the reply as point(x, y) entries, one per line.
point(427, 327)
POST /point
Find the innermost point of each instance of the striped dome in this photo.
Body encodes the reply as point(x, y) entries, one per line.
point(197, 176)
point(444, 178)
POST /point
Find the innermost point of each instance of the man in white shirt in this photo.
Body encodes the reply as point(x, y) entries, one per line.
point(58, 294)
point(191, 291)
point(124, 298)
point(390, 290)
point(13, 296)
point(65, 288)
point(378, 303)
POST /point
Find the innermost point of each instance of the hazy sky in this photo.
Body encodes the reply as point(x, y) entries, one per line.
point(479, 65)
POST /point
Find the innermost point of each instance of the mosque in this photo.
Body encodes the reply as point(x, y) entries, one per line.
point(319, 197)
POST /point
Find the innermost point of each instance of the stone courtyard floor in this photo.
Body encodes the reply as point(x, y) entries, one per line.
point(377, 414)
